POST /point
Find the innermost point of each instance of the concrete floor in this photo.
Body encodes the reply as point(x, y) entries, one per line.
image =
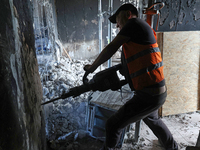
point(184, 128)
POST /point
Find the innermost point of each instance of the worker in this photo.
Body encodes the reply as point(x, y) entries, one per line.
point(143, 69)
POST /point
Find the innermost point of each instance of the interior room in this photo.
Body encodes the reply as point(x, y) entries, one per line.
point(45, 101)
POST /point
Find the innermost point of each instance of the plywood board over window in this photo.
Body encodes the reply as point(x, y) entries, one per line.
point(181, 70)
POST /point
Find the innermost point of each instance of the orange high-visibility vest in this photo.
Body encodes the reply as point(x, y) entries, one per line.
point(144, 63)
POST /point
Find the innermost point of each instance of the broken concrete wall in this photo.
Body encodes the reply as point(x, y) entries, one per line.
point(21, 119)
point(179, 15)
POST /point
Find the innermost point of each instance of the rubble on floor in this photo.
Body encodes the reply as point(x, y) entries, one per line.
point(64, 115)
point(184, 127)
point(66, 119)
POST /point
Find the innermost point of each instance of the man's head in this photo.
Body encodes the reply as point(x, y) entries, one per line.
point(127, 9)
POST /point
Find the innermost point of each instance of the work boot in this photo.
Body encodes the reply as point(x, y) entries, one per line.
point(175, 146)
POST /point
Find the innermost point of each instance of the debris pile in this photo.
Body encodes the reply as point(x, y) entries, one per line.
point(79, 140)
point(65, 115)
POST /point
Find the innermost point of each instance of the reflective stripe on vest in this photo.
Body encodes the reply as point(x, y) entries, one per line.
point(148, 69)
point(142, 53)
point(145, 66)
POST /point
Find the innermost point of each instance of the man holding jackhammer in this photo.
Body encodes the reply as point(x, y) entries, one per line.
point(143, 68)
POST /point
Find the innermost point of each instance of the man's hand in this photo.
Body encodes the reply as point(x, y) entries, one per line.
point(87, 68)
point(87, 71)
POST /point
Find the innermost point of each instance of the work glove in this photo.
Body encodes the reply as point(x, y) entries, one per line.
point(87, 67)
point(87, 71)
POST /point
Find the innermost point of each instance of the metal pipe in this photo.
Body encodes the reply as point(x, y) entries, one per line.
point(151, 12)
point(109, 39)
point(100, 25)
point(150, 17)
point(137, 130)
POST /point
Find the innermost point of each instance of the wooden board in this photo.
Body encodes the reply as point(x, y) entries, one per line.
point(181, 70)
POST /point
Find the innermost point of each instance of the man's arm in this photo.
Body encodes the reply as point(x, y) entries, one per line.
point(107, 52)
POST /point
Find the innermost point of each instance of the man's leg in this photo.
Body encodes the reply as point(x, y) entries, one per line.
point(161, 131)
point(139, 107)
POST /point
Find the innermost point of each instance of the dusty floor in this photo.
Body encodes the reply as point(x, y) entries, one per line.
point(184, 127)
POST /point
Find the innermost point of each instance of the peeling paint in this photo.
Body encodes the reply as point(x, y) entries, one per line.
point(172, 24)
point(183, 14)
point(163, 18)
point(191, 3)
point(181, 17)
point(196, 14)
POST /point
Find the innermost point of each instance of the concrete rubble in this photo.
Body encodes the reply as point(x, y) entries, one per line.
point(65, 115)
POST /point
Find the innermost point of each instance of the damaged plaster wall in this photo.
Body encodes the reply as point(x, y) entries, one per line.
point(78, 22)
point(179, 15)
point(22, 123)
point(78, 25)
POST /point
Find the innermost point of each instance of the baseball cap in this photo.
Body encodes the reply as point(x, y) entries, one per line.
point(126, 6)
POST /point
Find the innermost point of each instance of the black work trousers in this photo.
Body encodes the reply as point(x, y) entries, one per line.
point(141, 106)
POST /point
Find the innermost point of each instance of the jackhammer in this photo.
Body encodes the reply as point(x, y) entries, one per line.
point(102, 81)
